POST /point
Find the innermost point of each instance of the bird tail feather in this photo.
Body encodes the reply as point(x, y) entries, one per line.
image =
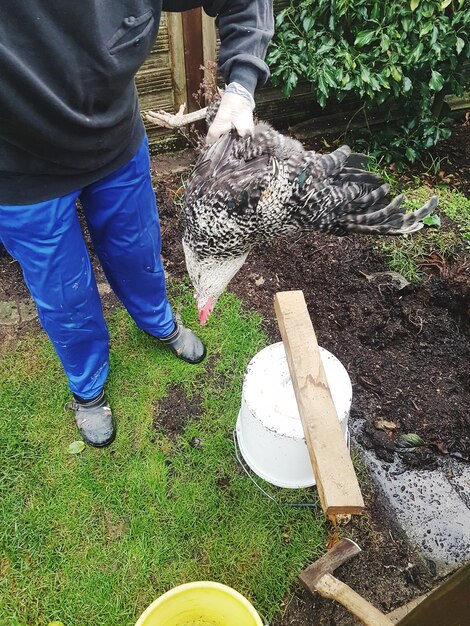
point(390, 220)
point(357, 160)
point(336, 195)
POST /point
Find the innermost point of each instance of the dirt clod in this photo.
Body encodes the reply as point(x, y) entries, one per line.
point(175, 410)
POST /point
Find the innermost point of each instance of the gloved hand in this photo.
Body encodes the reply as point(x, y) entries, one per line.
point(235, 111)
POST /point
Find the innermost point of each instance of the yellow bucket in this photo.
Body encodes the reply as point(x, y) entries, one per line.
point(200, 604)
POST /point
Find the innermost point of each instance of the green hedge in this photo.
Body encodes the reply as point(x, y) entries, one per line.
point(400, 53)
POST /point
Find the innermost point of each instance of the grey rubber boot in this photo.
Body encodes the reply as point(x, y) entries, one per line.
point(185, 345)
point(94, 420)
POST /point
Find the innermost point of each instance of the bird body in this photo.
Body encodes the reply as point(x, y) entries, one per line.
point(246, 192)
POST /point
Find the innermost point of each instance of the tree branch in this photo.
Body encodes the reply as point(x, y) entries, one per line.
point(175, 120)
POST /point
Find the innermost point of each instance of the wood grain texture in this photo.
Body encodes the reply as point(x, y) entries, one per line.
point(336, 480)
point(398, 614)
point(330, 587)
point(193, 56)
point(178, 68)
point(155, 81)
point(448, 605)
point(209, 49)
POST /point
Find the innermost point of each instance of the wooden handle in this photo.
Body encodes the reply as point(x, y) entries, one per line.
point(330, 587)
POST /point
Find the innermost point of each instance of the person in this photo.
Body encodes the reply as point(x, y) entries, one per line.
point(70, 129)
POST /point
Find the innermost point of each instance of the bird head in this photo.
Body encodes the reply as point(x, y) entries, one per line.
point(210, 277)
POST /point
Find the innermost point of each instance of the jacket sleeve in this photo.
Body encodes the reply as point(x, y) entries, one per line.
point(245, 28)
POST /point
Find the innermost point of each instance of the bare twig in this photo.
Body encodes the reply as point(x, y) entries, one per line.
point(176, 120)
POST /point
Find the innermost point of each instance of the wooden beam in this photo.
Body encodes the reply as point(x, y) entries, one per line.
point(334, 472)
point(192, 31)
point(402, 611)
point(178, 68)
point(448, 605)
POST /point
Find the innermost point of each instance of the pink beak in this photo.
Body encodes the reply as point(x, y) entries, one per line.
point(205, 312)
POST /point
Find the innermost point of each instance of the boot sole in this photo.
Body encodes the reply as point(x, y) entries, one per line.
point(204, 354)
point(107, 443)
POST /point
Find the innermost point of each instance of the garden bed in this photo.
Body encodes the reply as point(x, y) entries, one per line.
point(407, 351)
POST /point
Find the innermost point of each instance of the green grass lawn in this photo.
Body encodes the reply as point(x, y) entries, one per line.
point(404, 253)
point(92, 539)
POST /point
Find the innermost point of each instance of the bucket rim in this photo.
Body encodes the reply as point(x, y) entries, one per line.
point(200, 584)
point(276, 350)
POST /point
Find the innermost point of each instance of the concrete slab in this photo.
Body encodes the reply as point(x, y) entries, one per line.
point(12, 312)
point(27, 311)
point(432, 506)
point(458, 474)
point(9, 314)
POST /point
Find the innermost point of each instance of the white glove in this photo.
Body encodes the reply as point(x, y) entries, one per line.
point(235, 111)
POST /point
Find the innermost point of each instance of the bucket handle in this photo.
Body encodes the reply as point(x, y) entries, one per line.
point(241, 462)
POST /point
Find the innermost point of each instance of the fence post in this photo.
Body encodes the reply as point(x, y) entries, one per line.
point(193, 56)
point(209, 50)
point(178, 69)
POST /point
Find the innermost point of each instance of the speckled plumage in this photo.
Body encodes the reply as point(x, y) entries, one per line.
point(245, 192)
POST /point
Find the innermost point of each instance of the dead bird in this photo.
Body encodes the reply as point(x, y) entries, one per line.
point(245, 192)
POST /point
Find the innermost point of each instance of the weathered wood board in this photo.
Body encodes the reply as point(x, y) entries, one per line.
point(336, 480)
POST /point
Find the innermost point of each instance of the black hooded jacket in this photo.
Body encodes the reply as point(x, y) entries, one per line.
point(69, 112)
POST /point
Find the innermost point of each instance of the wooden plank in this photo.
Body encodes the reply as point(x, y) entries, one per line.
point(209, 52)
point(448, 605)
point(157, 61)
point(459, 103)
point(154, 81)
point(334, 473)
point(397, 614)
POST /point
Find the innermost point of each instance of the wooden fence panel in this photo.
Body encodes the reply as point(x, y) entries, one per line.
point(161, 80)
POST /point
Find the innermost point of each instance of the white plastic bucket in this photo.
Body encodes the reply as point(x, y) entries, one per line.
point(269, 430)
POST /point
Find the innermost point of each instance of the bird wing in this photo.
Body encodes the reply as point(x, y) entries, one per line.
point(246, 191)
point(222, 171)
point(333, 194)
point(222, 197)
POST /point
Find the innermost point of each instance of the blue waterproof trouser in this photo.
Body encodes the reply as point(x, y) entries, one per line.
point(47, 241)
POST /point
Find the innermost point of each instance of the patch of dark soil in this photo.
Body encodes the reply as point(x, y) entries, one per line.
point(175, 410)
point(12, 289)
point(169, 196)
point(223, 482)
point(452, 290)
point(12, 285)
point(407, 351)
